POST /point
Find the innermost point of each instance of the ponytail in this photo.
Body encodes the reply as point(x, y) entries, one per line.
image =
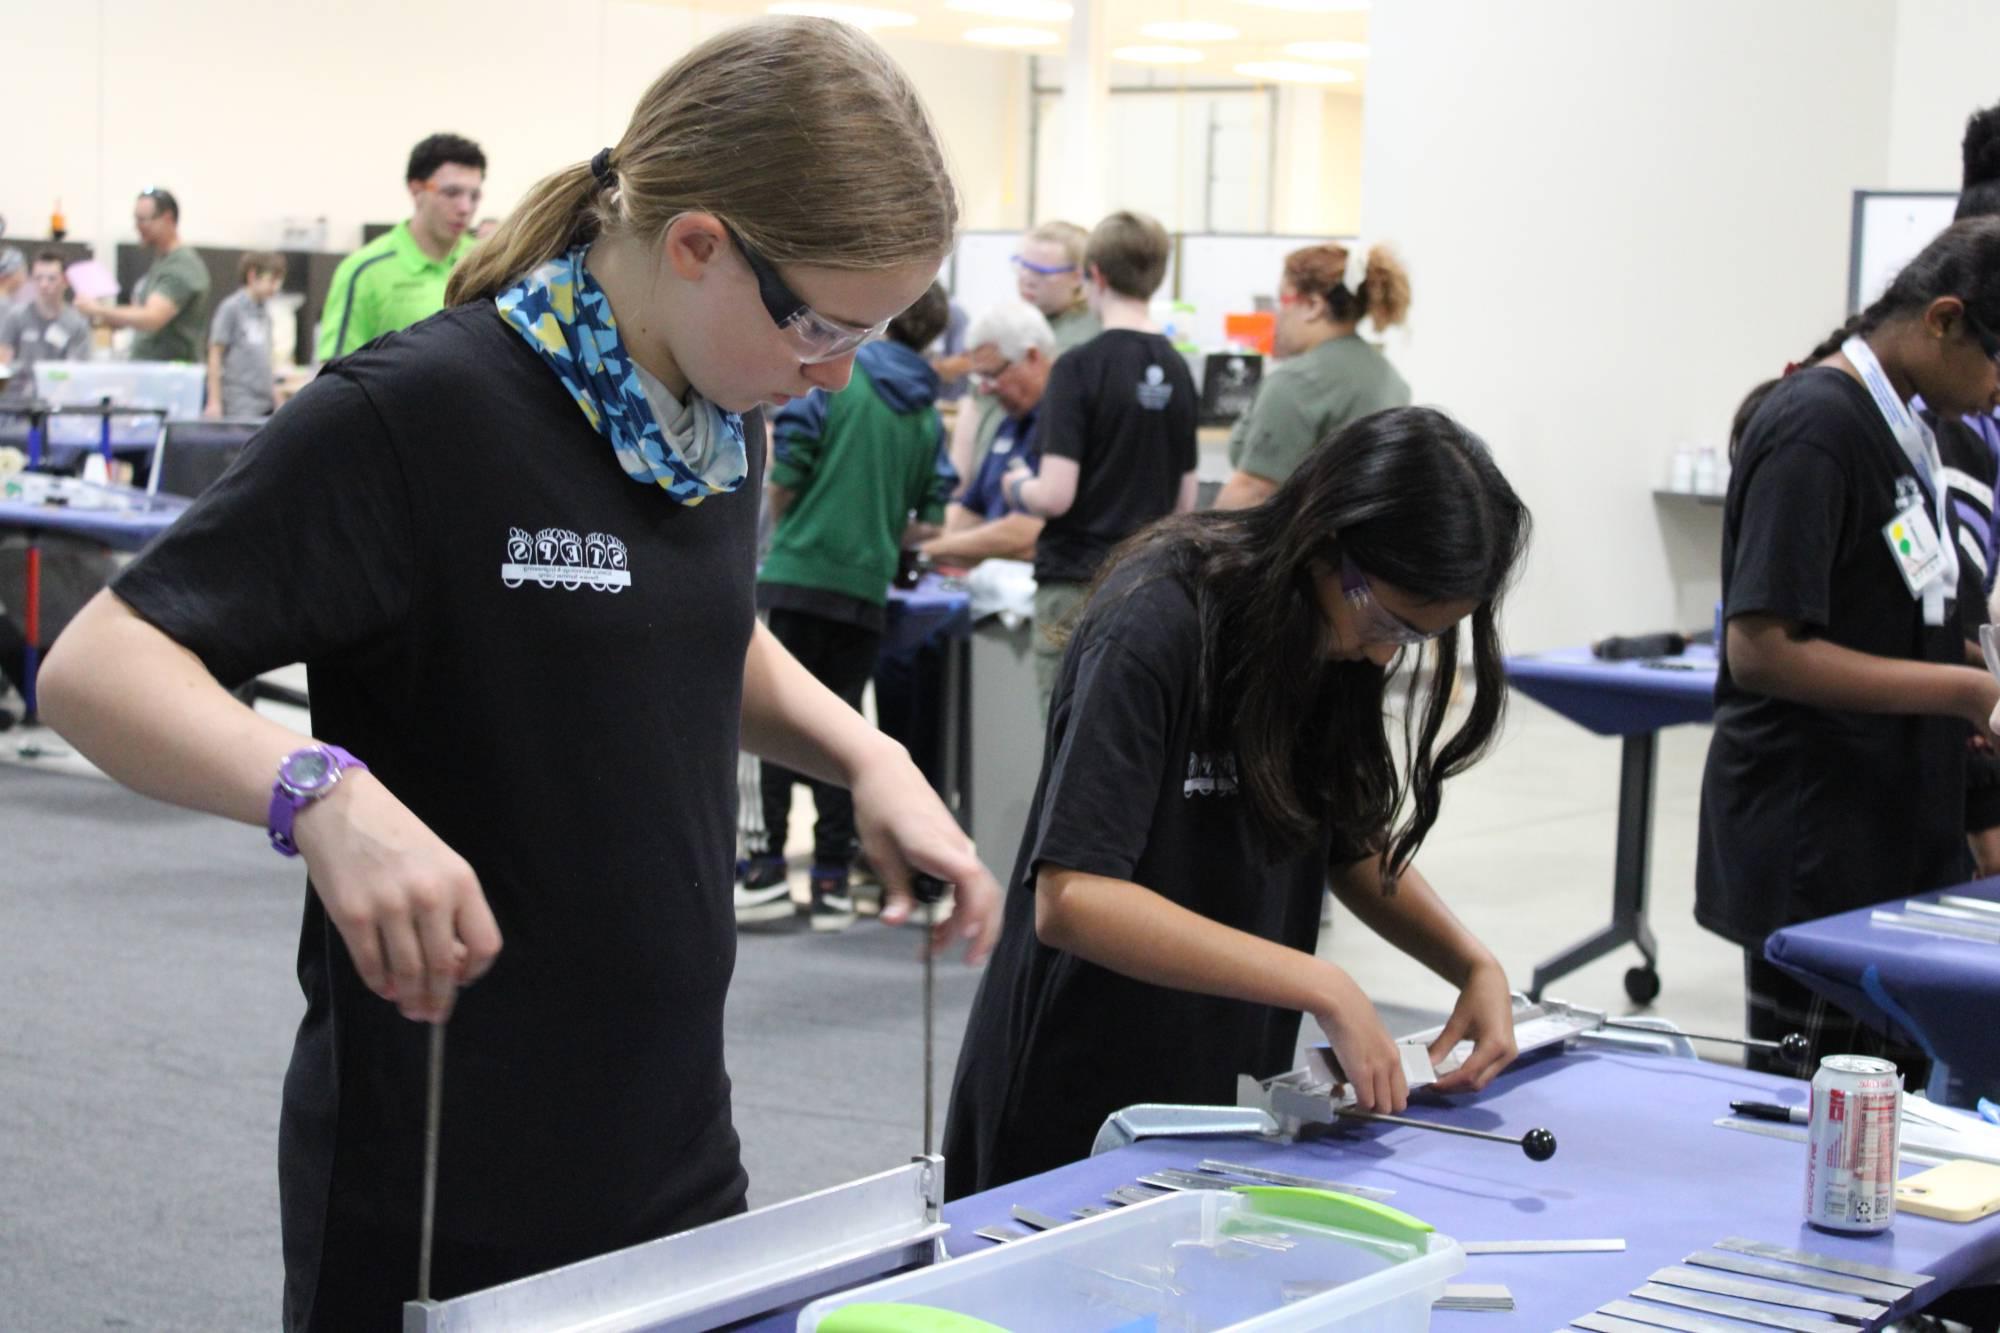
point(1383, 294)
point(1385, 289)
point(560, 210)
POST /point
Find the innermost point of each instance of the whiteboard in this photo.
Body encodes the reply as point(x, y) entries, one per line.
point(1222, 275)
point(1889, 228)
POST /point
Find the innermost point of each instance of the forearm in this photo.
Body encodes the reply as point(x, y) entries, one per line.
point(1135, 932)
point(1190, 489)
point(780, 498)
point(1413, 919)
point(1009, 538)
point(146, 711)
point(214, 375)
point(793, 720)
point(1765, 655)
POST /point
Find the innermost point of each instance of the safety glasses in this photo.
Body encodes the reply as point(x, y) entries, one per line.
point(1028, 265)
point(1378, 623)
point(814, 337)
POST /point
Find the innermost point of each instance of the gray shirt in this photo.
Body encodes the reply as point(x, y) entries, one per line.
point(33, 338)
point(242, 329)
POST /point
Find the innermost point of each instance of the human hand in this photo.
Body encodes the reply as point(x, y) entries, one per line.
point(905, 827)
point(90, 309)
point(409, 908)
point(213, 411)
point(1366, 1053)
point(1485, 1014)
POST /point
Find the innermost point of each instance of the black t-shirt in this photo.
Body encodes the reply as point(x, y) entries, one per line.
point(1055, 1044)
point(543, 660)
point(1807, 811)
point(1123, 406)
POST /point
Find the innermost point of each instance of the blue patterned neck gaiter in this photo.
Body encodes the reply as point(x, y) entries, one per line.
point(690, 450)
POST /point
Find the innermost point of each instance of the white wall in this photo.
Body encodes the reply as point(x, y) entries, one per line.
point(253, 110)
point(1947, 66)
point(1606, 253)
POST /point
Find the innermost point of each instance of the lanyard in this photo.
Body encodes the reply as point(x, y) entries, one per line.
point(1919, 444)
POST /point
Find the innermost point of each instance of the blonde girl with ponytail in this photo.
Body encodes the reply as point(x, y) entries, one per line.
point(514, 546)
point(1327, 375)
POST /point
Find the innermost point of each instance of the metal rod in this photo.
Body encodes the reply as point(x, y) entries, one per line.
point(1792, 1045)
point(1538, 1144)
point(433, 1113)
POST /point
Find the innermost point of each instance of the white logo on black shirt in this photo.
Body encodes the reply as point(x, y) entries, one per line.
point(1155, 393)
point(557, 555)
point(1210, 775)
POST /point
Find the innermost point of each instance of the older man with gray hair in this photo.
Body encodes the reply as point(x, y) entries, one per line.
point(1012, 346)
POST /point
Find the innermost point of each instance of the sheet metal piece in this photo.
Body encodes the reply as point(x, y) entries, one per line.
point(1986, 907)
point(1770, 1293)
point(1176, 1180)
point(1633, 1314)
point(1750, 1266)
point(1748, 1311)
point(1000, 1235)
point(1131, 1194)
point(1604, 1323)
point(1607, 1246)
point(1475, 1296)
point(1028, 1217)
point(1825, 1262)
point(1265, 1176)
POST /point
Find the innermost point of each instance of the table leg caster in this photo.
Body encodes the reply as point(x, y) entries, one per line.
point(1642, 984)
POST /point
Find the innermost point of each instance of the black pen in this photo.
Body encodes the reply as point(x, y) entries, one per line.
point(1793, 1115)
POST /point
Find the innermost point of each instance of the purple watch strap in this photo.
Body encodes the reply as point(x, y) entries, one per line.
point(286, 803)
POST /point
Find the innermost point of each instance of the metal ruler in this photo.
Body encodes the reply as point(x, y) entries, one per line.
point(1541, 1246)
point(1769, 1293)
point(1825, 1262)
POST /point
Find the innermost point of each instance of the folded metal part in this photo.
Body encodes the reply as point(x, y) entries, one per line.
point(1825, 1262)
point(1750, 1266)
point(1770, 1293)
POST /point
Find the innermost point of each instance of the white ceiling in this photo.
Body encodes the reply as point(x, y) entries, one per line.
point(1263, 31)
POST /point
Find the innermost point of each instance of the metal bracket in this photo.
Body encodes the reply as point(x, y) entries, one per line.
point(723, 1272)
point(1161, 1120)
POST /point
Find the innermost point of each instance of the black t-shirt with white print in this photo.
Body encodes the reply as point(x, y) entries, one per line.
point(1055, 1043)
point(1809, 811)
point(1123, 406)
point(544, 661)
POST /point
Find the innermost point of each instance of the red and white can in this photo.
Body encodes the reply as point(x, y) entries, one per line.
point(1852, 1141)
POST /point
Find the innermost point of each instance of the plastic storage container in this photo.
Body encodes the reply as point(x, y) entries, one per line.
point(174, 386)
point(1261, 1258)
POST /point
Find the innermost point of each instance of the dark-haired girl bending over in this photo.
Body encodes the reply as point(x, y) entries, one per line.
point(1836, 775)
point(1216, 752)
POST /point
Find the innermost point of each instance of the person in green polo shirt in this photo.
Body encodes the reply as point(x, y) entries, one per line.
point(169, 310)
point(398, 278)
point(1327, 374)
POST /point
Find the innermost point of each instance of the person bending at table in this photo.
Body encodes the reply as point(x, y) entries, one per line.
point(1217, 752)
point(1836, 773)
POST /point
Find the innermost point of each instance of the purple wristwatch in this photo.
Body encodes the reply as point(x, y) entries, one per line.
point(303, 777)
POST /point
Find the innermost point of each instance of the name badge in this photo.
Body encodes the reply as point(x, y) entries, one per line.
point(56, 336)
point(1913, 541)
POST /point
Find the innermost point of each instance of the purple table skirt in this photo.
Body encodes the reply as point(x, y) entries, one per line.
point(1639, 1157)
point(1619, 698)
point(1940, 993)
point(915, 614)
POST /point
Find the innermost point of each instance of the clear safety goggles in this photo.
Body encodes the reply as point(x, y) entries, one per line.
point(814, 337)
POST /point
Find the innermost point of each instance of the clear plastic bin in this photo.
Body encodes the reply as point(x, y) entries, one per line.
point(1262, 1258)
point(176, 387)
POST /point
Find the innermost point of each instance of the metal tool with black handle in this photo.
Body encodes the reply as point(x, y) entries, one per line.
point(929, 890)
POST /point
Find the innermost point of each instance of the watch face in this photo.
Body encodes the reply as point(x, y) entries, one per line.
point(307, 770)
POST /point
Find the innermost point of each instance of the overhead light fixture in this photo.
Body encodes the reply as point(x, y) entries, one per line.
point(1157, 55)
point(1328, 50)
point(1176, 31)
point(1032, 11)
point(865, 17)
point(1293, 71)
point(1311, 6)
point(1012, 37)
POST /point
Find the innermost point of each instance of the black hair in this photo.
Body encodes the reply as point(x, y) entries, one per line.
point(164, 202)
point(1979, 190)
point(1963, 261)
point(49, 257)
point(919, 326)
point(439, 149)
point(1415, 500)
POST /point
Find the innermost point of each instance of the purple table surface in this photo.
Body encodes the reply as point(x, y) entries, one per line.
point(1619, 698)
point(915, 614)
point(1638, 1157)
point(1940, 992)
point(123, 530)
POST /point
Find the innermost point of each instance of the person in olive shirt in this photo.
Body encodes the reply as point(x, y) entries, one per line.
point(1327, 376)
point(398, 278)
point(169, 310)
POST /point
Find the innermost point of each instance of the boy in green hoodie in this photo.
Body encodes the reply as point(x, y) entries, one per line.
point(847, 472)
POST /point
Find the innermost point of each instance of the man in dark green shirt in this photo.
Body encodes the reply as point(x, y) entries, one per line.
point(399, 277)
point(169, 310)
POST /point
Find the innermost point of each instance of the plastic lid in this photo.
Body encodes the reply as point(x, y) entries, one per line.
point(892, 1317)
point(1343, 1212)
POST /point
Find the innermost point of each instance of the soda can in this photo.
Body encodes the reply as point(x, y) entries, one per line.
point(1852, 1138)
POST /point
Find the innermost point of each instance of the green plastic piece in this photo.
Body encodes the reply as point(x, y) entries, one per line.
point(1343, 1212)
point(890, 1317)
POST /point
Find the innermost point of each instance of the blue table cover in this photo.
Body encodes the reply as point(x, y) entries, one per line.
point(1943, 994)
point(122, 530)
point(915, 614)
point(1638, 1157)
point(1619, 698)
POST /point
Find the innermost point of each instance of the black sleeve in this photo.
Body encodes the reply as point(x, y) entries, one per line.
point(1063, 421)
point(303, 549)
point(1185, 410)
point(1788, 536)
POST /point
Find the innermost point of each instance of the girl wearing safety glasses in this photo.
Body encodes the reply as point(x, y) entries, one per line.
point(1218, 751)
point(514, 545)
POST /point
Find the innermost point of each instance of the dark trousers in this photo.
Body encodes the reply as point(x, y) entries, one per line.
point(841, 657)
point(1776, 1004)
